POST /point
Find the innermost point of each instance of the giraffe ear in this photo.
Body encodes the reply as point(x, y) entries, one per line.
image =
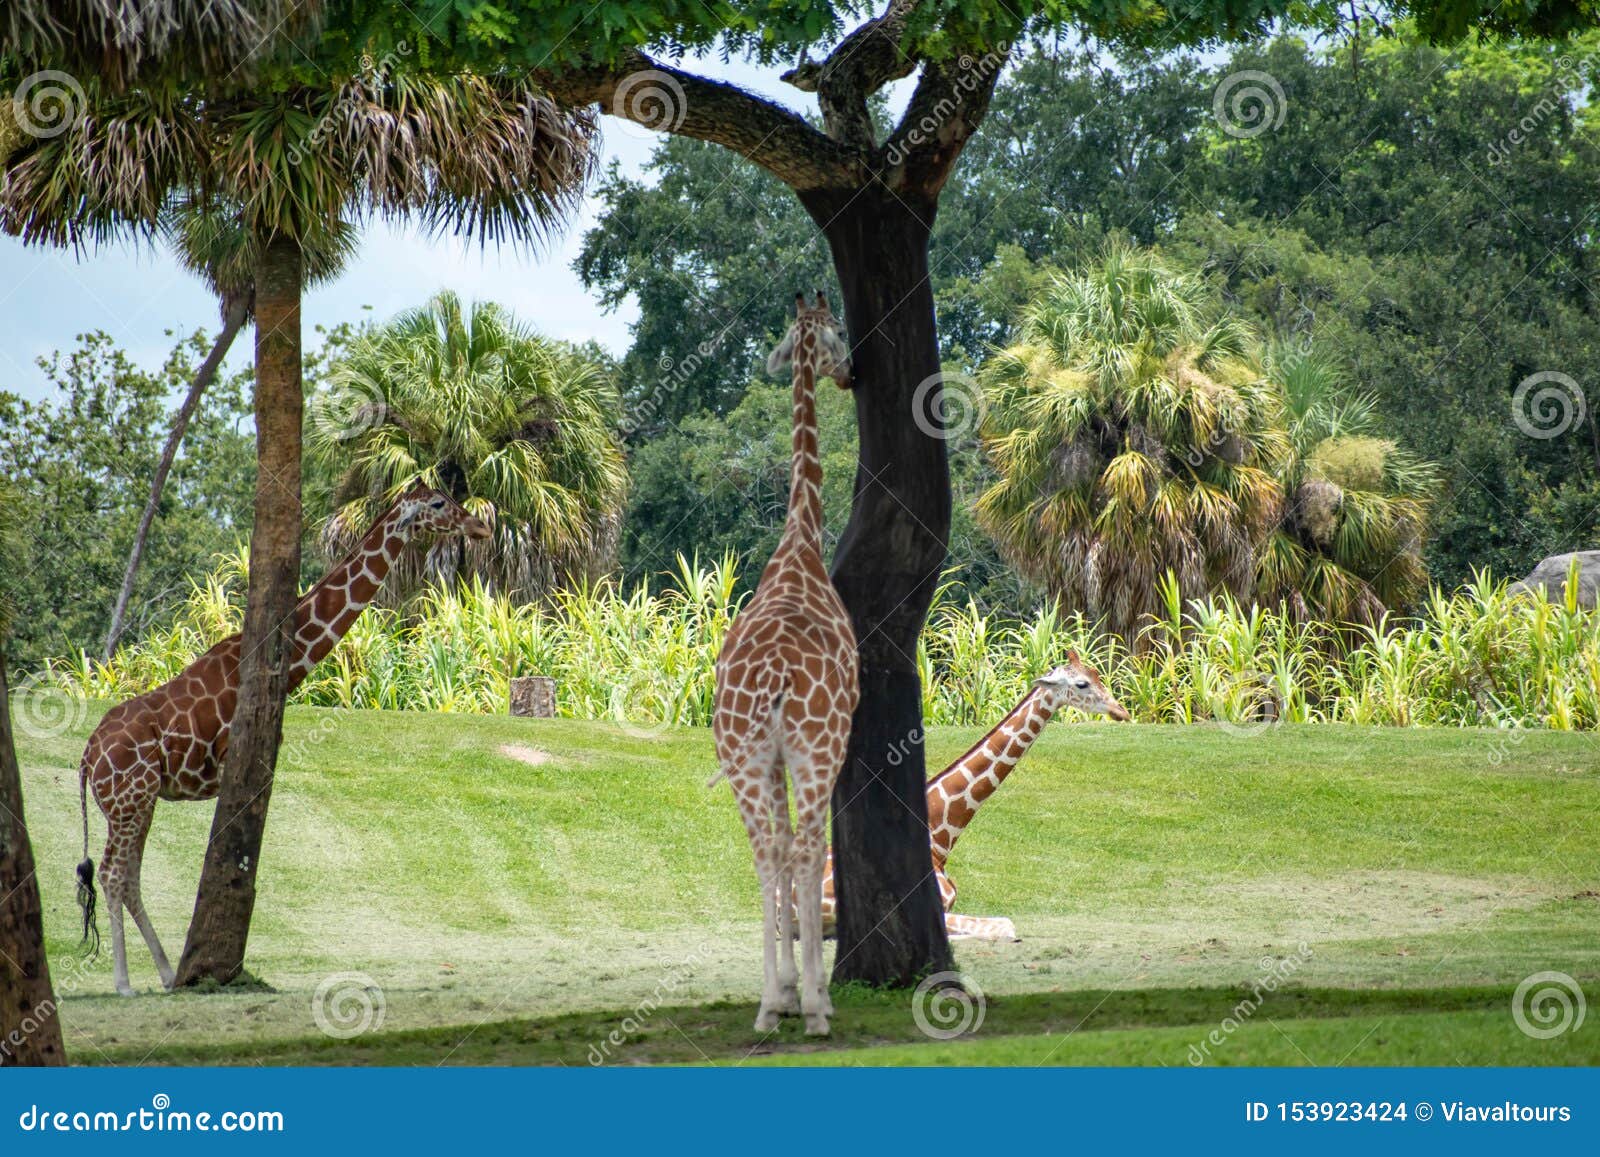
point(1072, 657)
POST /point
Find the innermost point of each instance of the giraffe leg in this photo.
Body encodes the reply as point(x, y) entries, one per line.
point(788, 974)
point(750, 762)
point(810, 853)
point(135, 903)
point(128, 803)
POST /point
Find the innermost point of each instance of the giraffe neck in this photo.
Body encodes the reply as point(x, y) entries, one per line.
point(331, 607)
point(803, 526)
point(979, 773)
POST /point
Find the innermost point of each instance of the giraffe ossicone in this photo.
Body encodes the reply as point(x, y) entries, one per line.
point(169, 743)
point(787, 687)
point(955, 794)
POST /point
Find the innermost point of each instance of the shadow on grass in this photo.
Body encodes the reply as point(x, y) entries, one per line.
point(721, 1032)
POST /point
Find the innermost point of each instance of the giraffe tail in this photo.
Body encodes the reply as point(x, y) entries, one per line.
point(86, 895)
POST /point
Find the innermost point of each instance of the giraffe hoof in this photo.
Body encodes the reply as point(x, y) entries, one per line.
point(766, 1020)
point(789, 1002)
point(817, 1025)
point(126, 990)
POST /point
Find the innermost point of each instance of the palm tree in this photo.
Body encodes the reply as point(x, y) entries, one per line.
point(1134, 433)
point(1349, 544)
point(217, 248)
point(519, 429)
point(29, 1025)
point(491, 156)
point(122, 41)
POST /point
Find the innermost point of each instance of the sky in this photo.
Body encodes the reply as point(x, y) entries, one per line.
point(49, 296)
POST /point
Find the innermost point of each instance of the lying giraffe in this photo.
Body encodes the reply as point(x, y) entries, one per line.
point(169, 743)
point(955, 793)
point(786, 689)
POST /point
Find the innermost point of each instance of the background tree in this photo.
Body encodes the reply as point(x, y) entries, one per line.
point(489, 156)
point(517, 428)
point(214, 246)
point(1134, 435)
point(875, 196)
point(30, 1029)
point(83, 458)
point(1348, 546)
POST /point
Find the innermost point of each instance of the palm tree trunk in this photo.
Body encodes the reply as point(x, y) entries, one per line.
point(233, 319)
point(30, 1030)
point(226, 897)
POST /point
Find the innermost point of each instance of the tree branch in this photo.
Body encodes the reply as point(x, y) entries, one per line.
point(668, 99)
point(946, 108)
point(861, 64)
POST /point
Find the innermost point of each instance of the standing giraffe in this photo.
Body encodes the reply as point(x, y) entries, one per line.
point(955, 793)
point(169, 743)
point(786, 689)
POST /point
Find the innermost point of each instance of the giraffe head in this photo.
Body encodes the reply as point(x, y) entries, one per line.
point(814, 334)
point(1076, 684)
point(427, 510)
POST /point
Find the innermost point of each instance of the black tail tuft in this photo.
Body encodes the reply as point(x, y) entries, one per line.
point(86, 901)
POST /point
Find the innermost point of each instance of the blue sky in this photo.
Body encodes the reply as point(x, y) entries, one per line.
point(49, 296)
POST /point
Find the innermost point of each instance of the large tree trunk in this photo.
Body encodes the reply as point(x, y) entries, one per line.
point(221, 924)
point(890, 923)
point(30, 1029)
point(234, 313)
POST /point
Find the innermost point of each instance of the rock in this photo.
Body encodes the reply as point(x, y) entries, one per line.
point(1552, 575)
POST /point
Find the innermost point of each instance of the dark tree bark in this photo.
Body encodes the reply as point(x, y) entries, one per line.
point(234, 314)
point(226, 898)
point(30, 1028)
point(890, 923)
point(875, 203)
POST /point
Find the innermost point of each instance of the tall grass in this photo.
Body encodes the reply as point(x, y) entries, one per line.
point(1480, 656)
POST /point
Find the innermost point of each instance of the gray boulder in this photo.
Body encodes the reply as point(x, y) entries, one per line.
point(1552, 575)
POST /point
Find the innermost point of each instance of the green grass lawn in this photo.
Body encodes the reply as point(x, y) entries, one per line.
point(1396, 884)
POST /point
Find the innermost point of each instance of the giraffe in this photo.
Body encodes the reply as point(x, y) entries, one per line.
point(169, 743)
point(955, 793)
point(786, 690)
